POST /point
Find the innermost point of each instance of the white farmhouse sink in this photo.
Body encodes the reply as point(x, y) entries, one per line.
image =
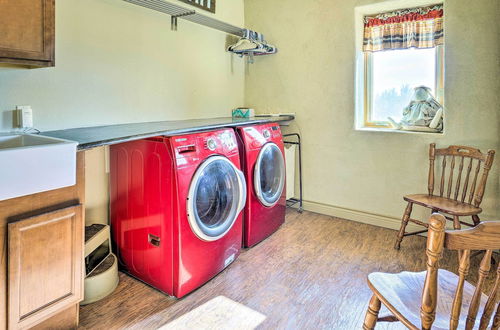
point(33, 163)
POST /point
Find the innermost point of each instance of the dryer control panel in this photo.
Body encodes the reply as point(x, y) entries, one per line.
point(256, 136)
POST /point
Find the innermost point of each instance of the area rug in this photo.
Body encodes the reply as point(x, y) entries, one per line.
point(220, 313)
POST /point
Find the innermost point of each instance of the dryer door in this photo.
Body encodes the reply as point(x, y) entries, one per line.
point(269, 174)
point(217, 195)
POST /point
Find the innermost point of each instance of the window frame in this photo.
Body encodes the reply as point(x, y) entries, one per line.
point(368, 87)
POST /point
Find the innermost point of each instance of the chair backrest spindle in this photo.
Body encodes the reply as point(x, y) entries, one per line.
point(466, 183)
point(484, 270)
point(459, 178)
point(473, 188)
point(487, 166)
point(450, 177)
point(463, 271)
point(496, 319)
point(432, 156)
point(443, 173)
point(490, 304)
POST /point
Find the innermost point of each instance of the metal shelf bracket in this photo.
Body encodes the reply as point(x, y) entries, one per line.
point(174, 18)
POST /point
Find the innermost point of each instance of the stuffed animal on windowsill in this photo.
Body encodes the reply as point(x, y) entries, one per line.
point(423, 114)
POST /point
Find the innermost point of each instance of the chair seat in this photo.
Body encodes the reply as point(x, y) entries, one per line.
point(443, 204)
point(401, 294)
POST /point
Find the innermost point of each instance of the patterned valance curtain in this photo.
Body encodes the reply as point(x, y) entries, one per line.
point(402, 29)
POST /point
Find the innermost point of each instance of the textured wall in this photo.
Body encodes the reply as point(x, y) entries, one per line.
point(313, 75)
point(120, 63)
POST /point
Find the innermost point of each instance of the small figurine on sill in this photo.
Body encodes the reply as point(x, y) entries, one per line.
point(423, 114)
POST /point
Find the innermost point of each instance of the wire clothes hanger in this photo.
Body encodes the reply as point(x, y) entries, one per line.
point(252, 44)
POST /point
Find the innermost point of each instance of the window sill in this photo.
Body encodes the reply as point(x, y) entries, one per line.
point(392, 130)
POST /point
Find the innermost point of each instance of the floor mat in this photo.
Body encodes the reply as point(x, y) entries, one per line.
point(218, 314)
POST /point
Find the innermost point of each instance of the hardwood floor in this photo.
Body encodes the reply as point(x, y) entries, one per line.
point(311, 274)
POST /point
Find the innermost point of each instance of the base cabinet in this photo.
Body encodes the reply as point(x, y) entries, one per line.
point(42, 257)
point(44, 266)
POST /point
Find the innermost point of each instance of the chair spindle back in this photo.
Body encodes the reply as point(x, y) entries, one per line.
point(485, 236)
point(470, 161)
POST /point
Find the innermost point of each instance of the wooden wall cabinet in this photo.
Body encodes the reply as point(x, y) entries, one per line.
point(42, 257)
point(27, 32)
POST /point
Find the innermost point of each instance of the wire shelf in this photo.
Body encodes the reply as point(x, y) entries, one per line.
point(177, 11)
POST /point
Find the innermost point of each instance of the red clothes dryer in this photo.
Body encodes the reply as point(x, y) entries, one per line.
point(175, 208)
point(262, 155)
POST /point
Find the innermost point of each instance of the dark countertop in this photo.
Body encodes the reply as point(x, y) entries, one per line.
point(91, 137)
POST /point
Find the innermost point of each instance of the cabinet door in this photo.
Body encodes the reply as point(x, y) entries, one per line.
point(27, 31)
point(45, 265)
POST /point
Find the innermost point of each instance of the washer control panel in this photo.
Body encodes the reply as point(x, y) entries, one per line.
point(190, 149)
point(219, 142)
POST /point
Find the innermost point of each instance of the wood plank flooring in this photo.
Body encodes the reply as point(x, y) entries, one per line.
point(311, 274)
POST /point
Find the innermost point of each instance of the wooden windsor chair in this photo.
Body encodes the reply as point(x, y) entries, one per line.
point(443, 294)
point(468, 189)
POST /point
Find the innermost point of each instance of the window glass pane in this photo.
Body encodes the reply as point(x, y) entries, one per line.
point(395, 74)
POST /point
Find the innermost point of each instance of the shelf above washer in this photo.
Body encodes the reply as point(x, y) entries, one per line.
point(177, 11)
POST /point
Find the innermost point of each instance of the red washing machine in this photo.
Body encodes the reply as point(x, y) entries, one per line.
point(175, 208)
point(262, 155)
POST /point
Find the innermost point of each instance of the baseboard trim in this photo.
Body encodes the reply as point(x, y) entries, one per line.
point(358, 216)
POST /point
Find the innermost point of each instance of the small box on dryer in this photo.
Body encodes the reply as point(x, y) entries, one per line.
point(243, 113)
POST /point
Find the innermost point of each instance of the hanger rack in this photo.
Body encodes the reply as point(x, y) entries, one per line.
point(177, 11)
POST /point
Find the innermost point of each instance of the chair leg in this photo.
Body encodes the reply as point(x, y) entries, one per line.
point(456, 223)
point(476, 220)
point(404, 223)
point(457, 226)
point(372, 314)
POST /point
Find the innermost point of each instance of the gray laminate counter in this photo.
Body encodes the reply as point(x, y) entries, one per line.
point(91, 137)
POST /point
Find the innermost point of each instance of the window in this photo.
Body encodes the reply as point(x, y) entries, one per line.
point(400, 50)
point(391, 77)
point(208, 5)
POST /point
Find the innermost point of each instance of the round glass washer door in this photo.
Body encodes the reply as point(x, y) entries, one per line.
point(269, 174)
point(217, 194)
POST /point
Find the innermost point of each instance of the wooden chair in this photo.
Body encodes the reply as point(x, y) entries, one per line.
point(468, 188)
point(443, 294)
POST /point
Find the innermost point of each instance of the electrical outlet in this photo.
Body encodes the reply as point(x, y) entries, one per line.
point(24, 116)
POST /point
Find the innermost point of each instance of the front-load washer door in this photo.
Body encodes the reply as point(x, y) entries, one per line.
point(217, 194)
point(269, 174)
